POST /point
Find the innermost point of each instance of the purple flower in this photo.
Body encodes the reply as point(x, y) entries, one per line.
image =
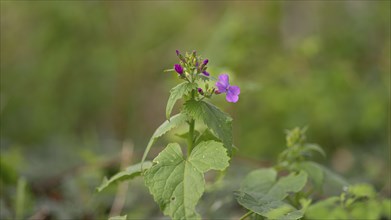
point(178, 68)
point(177, 52)
point(205, 62)
point(206, 73)
point(223, 87)
point(200, 91)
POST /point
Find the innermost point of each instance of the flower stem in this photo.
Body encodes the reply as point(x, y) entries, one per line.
point(246, 215)
point(191, 139)
point(190, 145)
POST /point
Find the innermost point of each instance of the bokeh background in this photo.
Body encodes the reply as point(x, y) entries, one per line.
point(83, 88)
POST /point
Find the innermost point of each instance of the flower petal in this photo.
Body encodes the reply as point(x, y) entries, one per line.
point(232, 98)
point(223, 83)
point(233, 94)
point(234, 90)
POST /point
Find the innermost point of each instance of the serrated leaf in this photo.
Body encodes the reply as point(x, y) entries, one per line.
point(314, 171)
point(129, 173)
point(205, 156)
point(176, 93)
point(262, 194)
point(262, 184)
point(177, 183)
point(174, 122)
point(273, 209)
point(219, 122)
point(118, 217)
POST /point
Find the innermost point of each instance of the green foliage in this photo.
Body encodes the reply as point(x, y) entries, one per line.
point(174, 122)
point(178, 92)
point(177, 183)
point(357, 202)
point(128, 174)
point(261, 193)
point(290, 196)
point(314, 171)
point(219, 122)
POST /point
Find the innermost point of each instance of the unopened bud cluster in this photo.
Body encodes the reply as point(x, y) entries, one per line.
point(193, 68)
point(191, 65)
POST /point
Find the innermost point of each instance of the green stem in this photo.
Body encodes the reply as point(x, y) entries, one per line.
point(246, 215)
point(190, 145)
point(191, 139)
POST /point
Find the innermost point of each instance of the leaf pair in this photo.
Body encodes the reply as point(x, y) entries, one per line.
point(177, 183)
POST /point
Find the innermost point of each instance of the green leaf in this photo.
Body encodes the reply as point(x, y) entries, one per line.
point(273, 209)
point(262, 194)
point(219, 122)
point(209, 155)
point(129, 173)
point(118, 217)
point(362, 190)
point(327, 209)
point(174, 122)
point(176, 93)
point(333, 179)
point(314, 171)
point(259, 182)
point(314, 147)
point(289, 184)
point(359, 202)
point(262, 184)
point(177, 183)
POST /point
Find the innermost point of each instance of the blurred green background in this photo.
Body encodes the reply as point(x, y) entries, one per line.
point(82, 82)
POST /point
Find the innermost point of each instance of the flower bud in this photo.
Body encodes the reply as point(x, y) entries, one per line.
point(205, 62)
point(200, 91)
point(178, 68)
point(206, 73)
point(177, 52)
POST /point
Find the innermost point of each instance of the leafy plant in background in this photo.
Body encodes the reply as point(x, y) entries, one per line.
point(289, 197)
point(176, 180)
